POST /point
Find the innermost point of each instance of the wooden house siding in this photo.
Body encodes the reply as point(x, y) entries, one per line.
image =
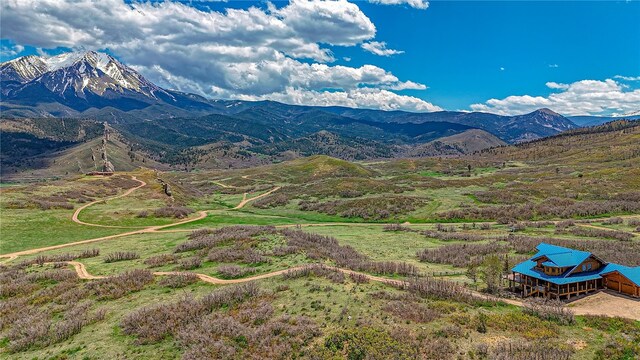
point(617, 282)
point(595, 265)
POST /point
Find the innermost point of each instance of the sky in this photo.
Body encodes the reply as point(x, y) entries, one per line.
point(506, 57)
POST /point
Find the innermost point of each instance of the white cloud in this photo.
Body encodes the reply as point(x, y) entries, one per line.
point(627, 78)
point(554, 66)
point(585, 97)
point(502, 68)
point(418, 4)
point(10, 51)
point(337, 22)
point(238, 53)
point(555, 85)
point(355, 98)
point(380, 48)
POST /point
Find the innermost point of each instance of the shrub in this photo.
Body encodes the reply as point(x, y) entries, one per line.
point(121, 256)
point(359, 278)
point(411, 311)
point(552, 310)
point(461, 255)
point(599, 233)
point(273, 200)
point(118, 286)
point(633, 222)
point(89, 253)
point(372, 208)
point(237, 254)
point(320, 247)
point(177, 212)
point(179, 280)
point(613, 221)
point(385, 267)
point(207, 238)
point(230, 295)
point(29, 330)
point(508, 350)
point(160, 260)
point(440, 289)
point(315, 270)
point(153, 323)
point(190, 263)
point(233, 271)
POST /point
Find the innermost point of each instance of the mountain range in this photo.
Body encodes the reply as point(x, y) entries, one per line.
point(185, 129)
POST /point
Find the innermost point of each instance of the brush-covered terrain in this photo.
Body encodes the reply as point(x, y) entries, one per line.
point(319, 257)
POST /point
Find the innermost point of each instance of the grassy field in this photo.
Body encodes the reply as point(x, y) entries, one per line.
point(330, 212)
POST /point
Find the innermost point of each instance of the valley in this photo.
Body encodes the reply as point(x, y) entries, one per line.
point(401, 258)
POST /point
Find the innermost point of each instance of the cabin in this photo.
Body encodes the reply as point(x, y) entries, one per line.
point(558, 272)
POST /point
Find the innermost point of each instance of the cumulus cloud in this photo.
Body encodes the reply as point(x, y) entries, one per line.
point(250, 53)
point(380, 48)
point(10, 51)
point(555, 85)
point(585, 97)
point(356, 98)
point(336, 22)
point(418, 4)
point(627, 78)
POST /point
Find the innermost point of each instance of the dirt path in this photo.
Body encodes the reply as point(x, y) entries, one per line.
point(245, 200)
point(222, 185)
point(601, 228)
point(590, 305)
point(13, 256)
point(82, 272)
point(75, 219)
point(201, 215)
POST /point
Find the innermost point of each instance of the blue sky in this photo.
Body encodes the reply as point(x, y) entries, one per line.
point(576, 57)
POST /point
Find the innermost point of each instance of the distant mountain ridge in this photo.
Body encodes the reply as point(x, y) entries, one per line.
point(69, 84)
point(98, 86)
point(518, 128)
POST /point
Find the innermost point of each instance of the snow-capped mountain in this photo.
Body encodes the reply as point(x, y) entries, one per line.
point(89, 83)
point(22, 69)
point(78, 74)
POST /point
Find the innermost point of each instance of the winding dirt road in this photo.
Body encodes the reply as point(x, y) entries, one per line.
point(245, 200)
point(82, 272)
point(75, 219)
point(201, 215)
point(626, 307)
point(13, 256)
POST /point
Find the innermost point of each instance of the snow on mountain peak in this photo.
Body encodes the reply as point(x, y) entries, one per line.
point(96, 59)
point(81, 70)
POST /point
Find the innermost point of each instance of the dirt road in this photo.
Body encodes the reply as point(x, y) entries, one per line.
point(201, 215)
point(13, 256)
point(75, 219)
point(245, 200)
point(590, 305)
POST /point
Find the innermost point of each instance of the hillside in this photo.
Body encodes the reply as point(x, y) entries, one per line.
point(62, 147)
point(614, 141)
point(467, 142)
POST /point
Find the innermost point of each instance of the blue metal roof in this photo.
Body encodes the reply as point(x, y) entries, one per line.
point(564, 257)
point(561, 256)
point(631, 273)
point(527, 268)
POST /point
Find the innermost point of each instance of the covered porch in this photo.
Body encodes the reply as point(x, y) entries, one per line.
point(531, 286)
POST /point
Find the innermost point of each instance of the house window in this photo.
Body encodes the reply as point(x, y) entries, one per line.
point(589, 266)
point(584, 267)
